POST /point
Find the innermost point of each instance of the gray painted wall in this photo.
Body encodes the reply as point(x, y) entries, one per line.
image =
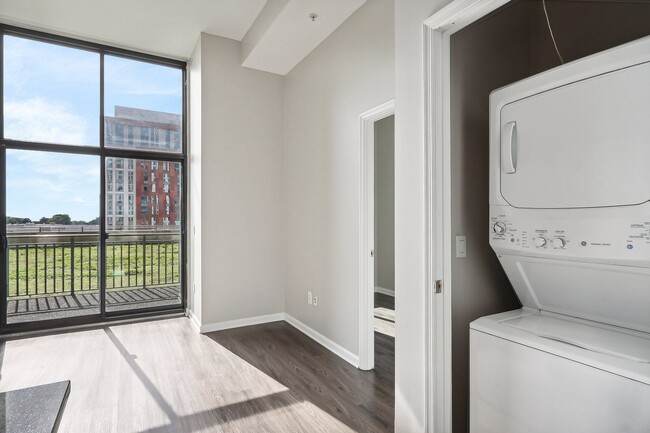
point(410, 377)
point(385, 203)
point(236, 176)
point(351, 72)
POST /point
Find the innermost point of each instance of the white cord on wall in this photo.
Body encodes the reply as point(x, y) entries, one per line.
point(548, 22)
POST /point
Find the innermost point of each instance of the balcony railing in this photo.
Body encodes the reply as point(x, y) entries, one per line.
point(67, 263)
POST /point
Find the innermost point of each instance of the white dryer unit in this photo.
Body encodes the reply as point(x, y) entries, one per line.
point(570, 224)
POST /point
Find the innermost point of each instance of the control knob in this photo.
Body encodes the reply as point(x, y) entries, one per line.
point(499, 228)
point(540, 242)
point(559, 243)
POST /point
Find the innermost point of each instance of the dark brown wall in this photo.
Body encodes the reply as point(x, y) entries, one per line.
point(582, 28)
point(491, 54)
point(511, 44)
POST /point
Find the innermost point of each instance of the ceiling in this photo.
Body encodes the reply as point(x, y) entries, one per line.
point(167, 27)
point(282, 33)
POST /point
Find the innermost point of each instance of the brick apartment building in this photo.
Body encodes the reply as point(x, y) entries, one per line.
point(142, 192)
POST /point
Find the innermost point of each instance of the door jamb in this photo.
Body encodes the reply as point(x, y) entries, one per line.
point(437, 31)
point(367, 231)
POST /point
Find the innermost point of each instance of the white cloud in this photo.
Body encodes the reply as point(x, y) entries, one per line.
point(37, 119)
point(45, 183)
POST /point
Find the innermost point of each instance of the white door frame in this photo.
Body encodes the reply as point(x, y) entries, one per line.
point(437, 86)
point(367, 232)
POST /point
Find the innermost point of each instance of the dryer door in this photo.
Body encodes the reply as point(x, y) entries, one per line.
point(581, 145)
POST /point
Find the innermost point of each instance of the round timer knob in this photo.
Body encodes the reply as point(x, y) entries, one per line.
point(499, 228)
point(559, 243)
point(540, 242)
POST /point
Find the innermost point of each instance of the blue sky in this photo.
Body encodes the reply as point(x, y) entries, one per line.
point(51, 94)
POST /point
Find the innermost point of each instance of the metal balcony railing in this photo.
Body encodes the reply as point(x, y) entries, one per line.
point(67, 263)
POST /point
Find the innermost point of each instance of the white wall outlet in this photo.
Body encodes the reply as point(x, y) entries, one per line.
point(315, 301)
point(310, 300)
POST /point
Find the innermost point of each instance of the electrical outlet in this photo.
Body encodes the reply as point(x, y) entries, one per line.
point(310, 300)
point(315, 301)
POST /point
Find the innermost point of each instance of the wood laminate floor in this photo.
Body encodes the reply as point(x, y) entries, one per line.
point(162, 376)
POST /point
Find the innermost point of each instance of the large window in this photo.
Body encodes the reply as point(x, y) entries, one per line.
point(92, 183)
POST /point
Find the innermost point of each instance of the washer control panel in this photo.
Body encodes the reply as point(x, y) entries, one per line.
point(604, 234)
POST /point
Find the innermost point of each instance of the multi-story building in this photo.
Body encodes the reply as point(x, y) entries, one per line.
point(120, 192)
point(142, 192)
point(158, 186)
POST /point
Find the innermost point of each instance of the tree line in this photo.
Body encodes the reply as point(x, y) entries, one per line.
point(63, 219)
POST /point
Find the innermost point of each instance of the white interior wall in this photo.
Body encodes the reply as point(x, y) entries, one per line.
point(385, 204)
point(409, 212)
point(350, 72)
point(239, 270)
point(194, 239)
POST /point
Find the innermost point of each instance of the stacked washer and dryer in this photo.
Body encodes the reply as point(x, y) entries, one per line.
point(570, 224)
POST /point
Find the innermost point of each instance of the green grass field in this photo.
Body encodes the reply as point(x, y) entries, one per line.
point(49, 270)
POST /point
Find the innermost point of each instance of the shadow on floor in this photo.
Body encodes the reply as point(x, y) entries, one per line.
point(200, 420)
point(57, 306)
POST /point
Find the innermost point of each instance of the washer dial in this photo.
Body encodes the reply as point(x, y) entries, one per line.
point(540, 242)
point(499, 228)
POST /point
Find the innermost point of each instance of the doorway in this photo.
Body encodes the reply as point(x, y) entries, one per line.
point(384, 215)
point(377, 243)
point(384, 257)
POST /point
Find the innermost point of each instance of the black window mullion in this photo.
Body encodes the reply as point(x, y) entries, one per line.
point(143, 154)
point(4, 261)
point(89, 46)
point(51, 147)
point(103, 236)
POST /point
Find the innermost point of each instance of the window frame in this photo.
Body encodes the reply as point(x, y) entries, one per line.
point(103, 152)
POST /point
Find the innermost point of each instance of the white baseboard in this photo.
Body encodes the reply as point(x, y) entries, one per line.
point(238, 323)
point(193, 319)
point(385, 291)
point(319, 338)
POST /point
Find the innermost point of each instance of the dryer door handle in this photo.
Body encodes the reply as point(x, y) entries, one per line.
point(509, 147)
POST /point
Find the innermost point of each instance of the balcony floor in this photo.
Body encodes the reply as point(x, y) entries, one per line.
point(80, 304)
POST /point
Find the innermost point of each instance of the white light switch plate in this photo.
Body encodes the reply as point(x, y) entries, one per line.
point(461, 246)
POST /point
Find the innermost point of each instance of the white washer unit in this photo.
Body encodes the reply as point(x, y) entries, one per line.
point(570, 223)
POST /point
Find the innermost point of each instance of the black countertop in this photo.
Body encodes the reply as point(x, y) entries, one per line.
point(33, 410)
